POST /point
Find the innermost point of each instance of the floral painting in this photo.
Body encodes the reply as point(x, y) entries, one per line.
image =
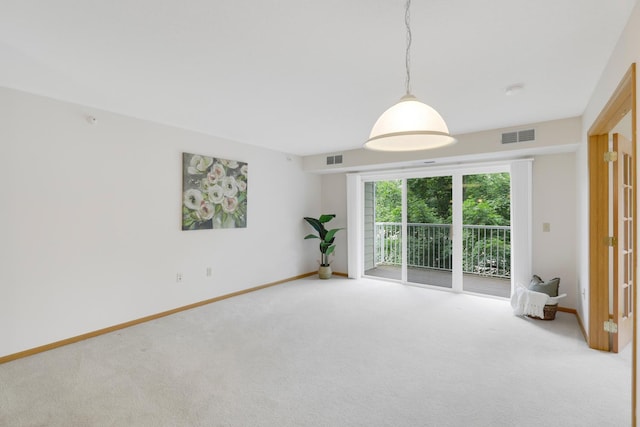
point(214, 193)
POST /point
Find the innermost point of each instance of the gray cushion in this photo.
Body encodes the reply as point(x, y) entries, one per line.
point(549, 287)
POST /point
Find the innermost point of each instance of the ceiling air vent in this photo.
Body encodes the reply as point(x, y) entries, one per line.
point(519, 136)
point(334, 160)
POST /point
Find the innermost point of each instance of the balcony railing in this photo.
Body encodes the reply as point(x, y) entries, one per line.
point(486, 248)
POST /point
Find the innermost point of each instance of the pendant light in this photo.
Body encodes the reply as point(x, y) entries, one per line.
point(409, 125)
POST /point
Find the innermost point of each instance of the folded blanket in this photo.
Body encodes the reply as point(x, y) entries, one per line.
point(554, 300)
point(528, 303)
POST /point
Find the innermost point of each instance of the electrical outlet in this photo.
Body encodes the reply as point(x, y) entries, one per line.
point(178, 277)
point(209, 271)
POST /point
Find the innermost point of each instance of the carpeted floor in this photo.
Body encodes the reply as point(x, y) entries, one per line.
point(327, 353)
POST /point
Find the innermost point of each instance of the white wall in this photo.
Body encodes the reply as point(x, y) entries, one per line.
point(90, 221)
point(627, 51)
point(334, 201)
point(552, 136)
point(554, 194)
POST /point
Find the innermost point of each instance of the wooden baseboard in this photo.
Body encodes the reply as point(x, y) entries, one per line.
point(568, 310)
point(575, 312)
point(51, 346)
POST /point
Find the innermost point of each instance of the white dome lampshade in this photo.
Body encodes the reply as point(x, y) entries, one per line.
point(409, 125)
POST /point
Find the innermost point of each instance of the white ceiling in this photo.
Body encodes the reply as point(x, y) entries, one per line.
point(307, 77)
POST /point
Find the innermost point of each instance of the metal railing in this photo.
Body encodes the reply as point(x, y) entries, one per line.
point(486, 248)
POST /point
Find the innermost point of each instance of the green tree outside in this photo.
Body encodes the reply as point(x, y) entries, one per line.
point(388, 201)
point(486, 201)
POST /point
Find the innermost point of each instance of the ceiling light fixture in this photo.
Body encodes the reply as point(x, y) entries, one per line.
point(409, 125)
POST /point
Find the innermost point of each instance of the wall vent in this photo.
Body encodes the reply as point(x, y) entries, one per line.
point(334, 160)
point(519, 136)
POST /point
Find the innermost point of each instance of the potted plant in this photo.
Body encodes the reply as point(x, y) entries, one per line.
point(327, 237)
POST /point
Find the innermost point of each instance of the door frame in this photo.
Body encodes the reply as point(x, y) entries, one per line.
point(622, 101)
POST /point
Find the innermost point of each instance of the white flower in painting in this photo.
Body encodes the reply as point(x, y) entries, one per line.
point(242, 185)
point(217, 173)
point(211, 178)
point(229, 204)
point(205, 185)
point(206, 211)
point(231, 164)
point(216, 194)
point(193, 198)
point(229, 186)
point(199, 164)
point(244, 169)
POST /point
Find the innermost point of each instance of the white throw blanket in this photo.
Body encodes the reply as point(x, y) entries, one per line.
point(528, 303)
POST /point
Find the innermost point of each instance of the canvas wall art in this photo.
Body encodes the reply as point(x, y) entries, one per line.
point(214, 193)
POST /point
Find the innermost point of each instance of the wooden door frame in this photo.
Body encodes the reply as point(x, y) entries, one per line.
point(621, 102)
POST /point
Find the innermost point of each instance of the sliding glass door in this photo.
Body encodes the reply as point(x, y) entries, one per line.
point(383, 229)
point(429, 231)
point(445, 230)
point(486, 235)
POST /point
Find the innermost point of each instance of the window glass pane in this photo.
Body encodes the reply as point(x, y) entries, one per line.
point(429, 246)
point(383, 229)
point(486, 240)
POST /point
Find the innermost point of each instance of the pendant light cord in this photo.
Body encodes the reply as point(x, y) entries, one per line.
point(407, 58)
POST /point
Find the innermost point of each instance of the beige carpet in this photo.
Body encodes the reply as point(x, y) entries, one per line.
point(327, 353)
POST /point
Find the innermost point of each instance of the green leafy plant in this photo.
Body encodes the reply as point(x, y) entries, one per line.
point(327, 237)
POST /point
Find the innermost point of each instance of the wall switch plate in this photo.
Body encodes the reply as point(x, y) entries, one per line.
point(178, 277)
point(209, 271)
point(546, 227)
